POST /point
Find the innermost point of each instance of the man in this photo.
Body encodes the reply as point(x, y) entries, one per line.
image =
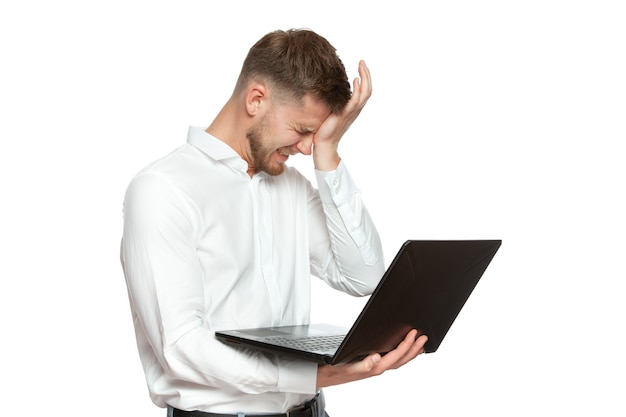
point(222, 234)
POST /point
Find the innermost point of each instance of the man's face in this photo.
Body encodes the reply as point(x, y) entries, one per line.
point(282, 131)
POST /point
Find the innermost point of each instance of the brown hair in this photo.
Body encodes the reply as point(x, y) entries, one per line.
point(298, 62)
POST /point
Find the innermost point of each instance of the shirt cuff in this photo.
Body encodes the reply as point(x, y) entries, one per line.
point(336, 186)
point(297, 376)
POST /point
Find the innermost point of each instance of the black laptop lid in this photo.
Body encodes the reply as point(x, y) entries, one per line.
point(425, 287)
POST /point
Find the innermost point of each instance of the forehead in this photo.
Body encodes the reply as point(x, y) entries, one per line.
point(308, 113)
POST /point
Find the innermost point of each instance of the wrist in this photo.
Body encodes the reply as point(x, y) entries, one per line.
point(326, 159)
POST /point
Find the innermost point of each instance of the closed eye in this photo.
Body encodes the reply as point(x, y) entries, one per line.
point(305, 130)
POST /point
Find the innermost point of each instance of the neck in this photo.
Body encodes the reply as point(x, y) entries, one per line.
point(231, 129)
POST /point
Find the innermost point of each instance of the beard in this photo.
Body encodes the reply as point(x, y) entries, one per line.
point(260, 154)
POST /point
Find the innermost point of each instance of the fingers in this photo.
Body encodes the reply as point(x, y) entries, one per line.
point(416, 348)
point(407, 350)
point(361, 87)
point(366, 80)
point(374, 364)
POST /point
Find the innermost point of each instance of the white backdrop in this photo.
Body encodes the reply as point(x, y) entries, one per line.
point(489, 119)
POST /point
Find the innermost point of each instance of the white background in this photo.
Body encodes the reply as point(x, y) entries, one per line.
point(489, 119)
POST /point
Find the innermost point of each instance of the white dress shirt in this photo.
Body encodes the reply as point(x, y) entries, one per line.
point(205, 247)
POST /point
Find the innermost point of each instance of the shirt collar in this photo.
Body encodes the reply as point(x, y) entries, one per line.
point(218, 150)
point(210, 145)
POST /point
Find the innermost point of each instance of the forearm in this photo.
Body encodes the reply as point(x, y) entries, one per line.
point(348, 247)
point(201, 359)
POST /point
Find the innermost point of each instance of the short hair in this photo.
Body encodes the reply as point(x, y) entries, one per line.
point(298, 62)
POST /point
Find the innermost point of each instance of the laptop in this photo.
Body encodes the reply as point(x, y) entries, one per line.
point(424, 288)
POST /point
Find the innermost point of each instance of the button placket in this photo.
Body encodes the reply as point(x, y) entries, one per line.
point(265, 242)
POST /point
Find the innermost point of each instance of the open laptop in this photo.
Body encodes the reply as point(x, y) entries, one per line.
point(424, 288)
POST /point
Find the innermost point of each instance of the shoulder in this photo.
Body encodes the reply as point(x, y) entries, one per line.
point(162, 181)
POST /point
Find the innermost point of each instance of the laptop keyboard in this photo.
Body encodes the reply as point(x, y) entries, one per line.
point(328, 343)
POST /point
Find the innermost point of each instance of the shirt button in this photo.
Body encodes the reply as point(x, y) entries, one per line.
point(335, 182)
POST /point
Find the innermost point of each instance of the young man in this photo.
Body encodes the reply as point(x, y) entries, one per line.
point(222, 234)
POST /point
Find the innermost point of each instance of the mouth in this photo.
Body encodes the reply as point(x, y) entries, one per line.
point(283, 154)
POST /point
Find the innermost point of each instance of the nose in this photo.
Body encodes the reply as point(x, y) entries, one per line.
point(305, 145)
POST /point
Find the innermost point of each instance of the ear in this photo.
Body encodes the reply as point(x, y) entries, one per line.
point(257, 95)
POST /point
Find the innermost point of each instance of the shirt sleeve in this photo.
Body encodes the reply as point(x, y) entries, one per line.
point(165, 288)
point(346, 250)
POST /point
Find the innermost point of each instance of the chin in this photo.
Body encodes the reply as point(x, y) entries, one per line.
point(275, 170)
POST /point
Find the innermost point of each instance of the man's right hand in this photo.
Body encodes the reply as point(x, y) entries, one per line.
point(326, 139)
point(373, 365)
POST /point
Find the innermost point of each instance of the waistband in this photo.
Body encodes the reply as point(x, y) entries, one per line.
point(312, 408)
